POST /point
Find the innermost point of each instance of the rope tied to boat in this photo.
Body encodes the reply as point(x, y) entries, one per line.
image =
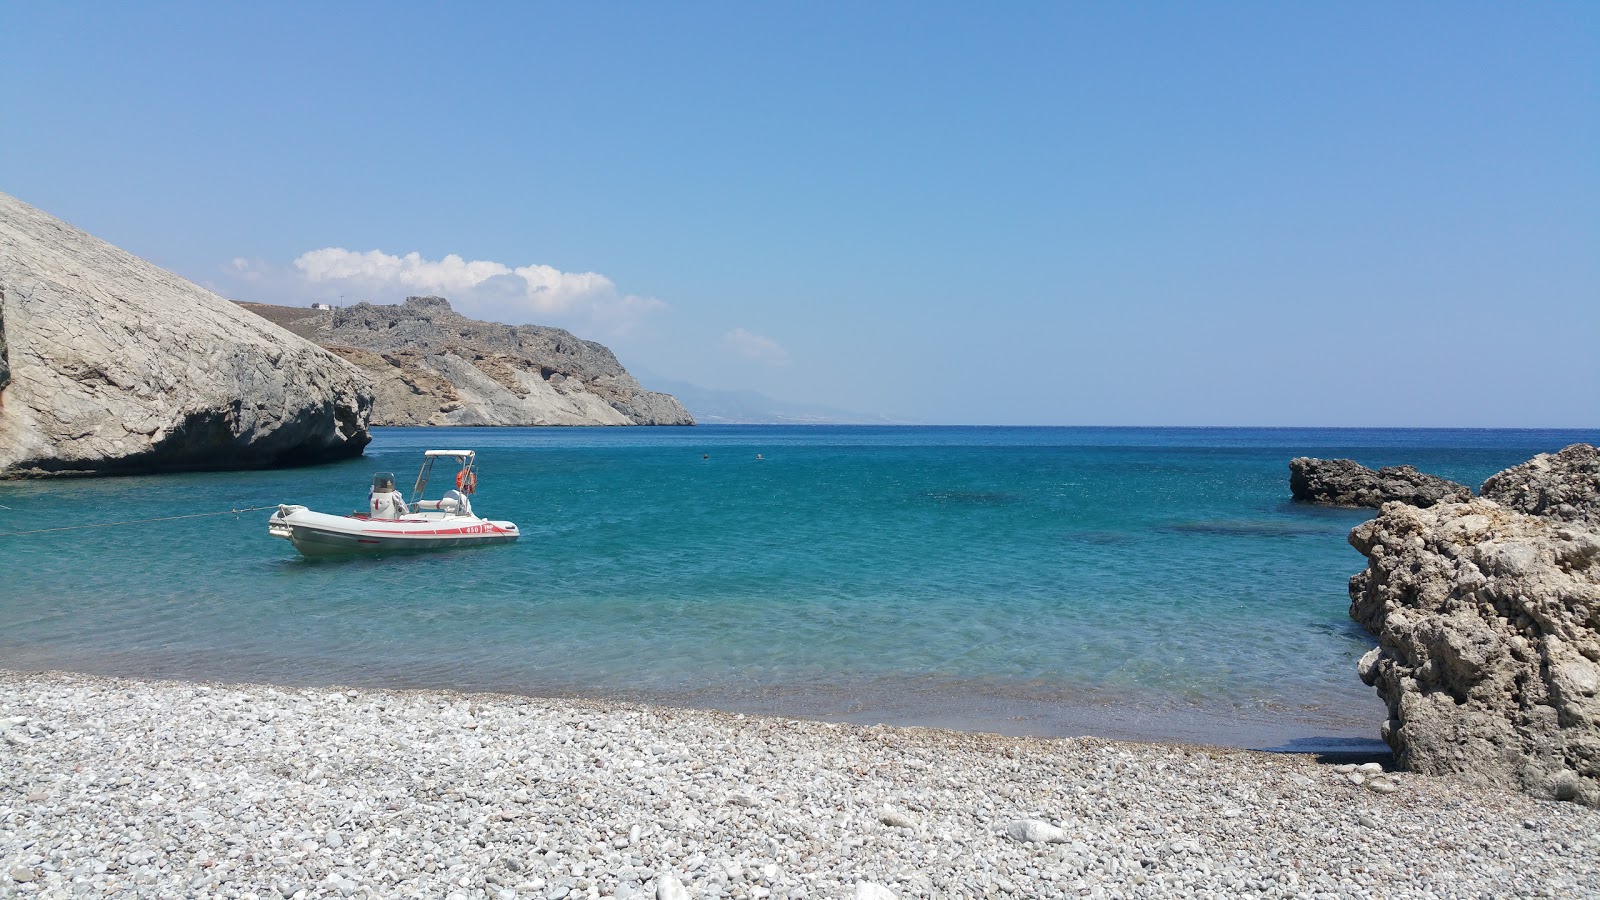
point(228, 512)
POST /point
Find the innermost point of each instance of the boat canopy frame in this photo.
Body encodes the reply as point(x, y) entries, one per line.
point(467, 458)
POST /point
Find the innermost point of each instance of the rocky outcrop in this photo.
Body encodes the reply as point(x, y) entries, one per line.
point(5, 364)
point(1563, 486)
point(432, 366)
point(1488, 657)
point(116, 366)
point(1345, 482)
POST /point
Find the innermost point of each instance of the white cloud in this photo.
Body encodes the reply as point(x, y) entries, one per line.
point(248, 269)
point(757, 347)
point(552, 290)
point(451, 275)
point(479, 288)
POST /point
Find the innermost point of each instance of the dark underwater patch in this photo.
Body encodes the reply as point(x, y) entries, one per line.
point(1253, 528)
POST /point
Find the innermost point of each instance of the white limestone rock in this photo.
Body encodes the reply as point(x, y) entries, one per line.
point(1488, 628)
point(1564, 486)
point(109, 364)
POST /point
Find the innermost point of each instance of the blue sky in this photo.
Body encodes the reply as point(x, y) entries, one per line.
point(1025, 213)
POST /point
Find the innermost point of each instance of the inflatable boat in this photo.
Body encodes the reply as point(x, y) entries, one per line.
point(393, 523)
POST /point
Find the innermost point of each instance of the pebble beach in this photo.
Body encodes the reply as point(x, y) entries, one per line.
point(125, 788)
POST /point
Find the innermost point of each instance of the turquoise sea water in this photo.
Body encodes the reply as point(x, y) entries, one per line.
point(1147, 583)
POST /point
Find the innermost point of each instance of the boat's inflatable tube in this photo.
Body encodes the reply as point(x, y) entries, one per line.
point(321, 534)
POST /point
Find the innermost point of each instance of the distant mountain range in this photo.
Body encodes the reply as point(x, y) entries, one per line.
point(720, 407)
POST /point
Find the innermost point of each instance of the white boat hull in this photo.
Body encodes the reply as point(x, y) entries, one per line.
point(321, 534)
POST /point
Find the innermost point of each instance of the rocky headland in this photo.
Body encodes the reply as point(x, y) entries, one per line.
point(116, 788)
point(1345, 482)
point(111, 365)
point(433, 366)
point(1488, 627)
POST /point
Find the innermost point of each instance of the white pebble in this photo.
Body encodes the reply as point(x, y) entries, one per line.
point(668, 887)
point(1035, 831)
point(895, 819)
point(382, 795)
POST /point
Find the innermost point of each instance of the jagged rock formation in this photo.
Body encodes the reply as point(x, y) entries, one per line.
point(433, 366)
point(5, 364)
point(112, 365)
point(1563, 486)
point(1488, 657)
point(1345, 482)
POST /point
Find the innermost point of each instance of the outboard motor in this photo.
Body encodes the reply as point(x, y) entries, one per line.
point(384, 502)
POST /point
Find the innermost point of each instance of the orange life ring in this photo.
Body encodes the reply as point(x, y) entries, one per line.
point(466, 481)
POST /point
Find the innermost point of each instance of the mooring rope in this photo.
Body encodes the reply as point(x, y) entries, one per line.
point(230, 512)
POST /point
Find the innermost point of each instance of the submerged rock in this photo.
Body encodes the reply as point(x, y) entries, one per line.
point(111, 365)
point(1345, 482)
point(1563, 486)
point(434, 366)
point(1488, 657)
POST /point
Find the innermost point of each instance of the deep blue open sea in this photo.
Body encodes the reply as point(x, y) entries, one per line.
point(1125, 582)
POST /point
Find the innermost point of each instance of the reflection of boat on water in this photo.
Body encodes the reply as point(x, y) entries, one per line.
point(393, 524)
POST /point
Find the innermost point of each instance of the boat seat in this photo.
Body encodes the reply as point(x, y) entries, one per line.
point(459, 502)
point(447, 505)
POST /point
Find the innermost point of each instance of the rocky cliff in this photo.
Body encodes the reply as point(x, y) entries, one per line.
point(1563, 486)
point(1488, 656)
point(1345, 482)
point(432, 366)
point(111, 365)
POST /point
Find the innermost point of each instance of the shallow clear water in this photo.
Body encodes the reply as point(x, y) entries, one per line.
point(1151, 583)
